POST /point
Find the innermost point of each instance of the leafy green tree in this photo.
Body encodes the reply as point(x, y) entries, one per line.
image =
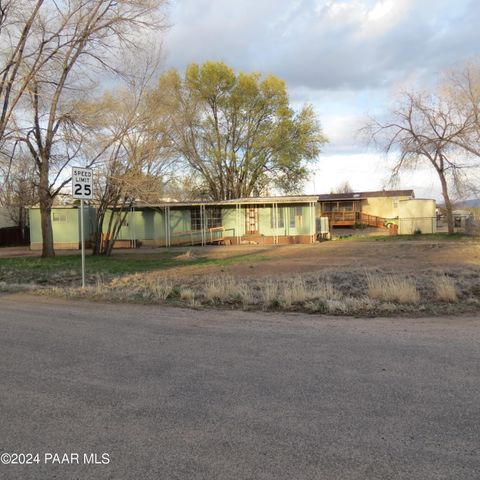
point(237, 132)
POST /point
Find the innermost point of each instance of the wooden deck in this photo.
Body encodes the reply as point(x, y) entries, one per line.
point(348, 218)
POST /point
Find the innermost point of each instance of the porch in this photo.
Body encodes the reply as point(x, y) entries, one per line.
point(347, 213)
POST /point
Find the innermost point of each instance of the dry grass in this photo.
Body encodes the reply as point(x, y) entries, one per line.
point(188, 255)
point(392, 289)
point(269, 293)
point(162, 289)
point(188, 295)
point(444, 288)
point(360, 306)
point(226, 289)
point(336, 293)
point(324, 290)
point(245, 295)
point(298, 291)
point(221, 288)
point(293, 292)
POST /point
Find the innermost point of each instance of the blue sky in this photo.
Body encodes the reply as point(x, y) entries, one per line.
point(346, 58)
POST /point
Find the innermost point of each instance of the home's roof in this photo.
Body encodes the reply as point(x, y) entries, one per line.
point(286, 199)
point(237, 201)
point(363, 195)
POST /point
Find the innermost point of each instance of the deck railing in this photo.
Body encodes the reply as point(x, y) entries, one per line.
point(345, 217)
point(372, 220)
point(194, 237)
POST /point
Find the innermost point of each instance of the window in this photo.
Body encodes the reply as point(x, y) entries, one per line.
point(196, 223)
point(214, 217)
point(59, 217)
point(296, 217)
point(212, 214)
point(280, 218)
point(326, 207)
point(345, 206)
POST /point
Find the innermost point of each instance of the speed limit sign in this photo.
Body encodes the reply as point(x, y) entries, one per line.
point(82, 183)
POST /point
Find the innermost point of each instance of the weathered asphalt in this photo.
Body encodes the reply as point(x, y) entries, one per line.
point(180, 394)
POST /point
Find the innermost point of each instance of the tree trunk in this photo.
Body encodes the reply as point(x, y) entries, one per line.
point(46, 201)
point(448, 203)
point(97, 248)
point(47, 232)
point(109, 247)
point(22, 221)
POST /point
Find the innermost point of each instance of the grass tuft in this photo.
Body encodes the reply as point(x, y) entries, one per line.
point(269, 293)
point(188, 295)
point(444, 288)
point(389, 288)
point(293, 292)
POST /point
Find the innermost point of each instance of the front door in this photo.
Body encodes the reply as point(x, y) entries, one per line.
point(251, 220)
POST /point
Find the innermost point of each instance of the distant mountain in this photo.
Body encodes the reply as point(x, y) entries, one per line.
point(472, 203)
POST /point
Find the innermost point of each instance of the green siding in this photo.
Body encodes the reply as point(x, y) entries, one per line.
point(149, 223)
point(229, 220)
point(35, 228)
point(180, 220)
point(65, 224)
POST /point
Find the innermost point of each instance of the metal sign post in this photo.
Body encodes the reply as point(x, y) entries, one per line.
point(82, 243)
point(82, 189)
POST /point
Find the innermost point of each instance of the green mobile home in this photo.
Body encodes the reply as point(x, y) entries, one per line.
point(251, 220)
point(262, 220)
point(274, 220)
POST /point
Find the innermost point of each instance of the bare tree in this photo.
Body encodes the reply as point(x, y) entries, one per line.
point(462, 89)
point(135, 165)
point(427, 128)
point(18, 190)
point(343, 187)
point(17, 20)
point(186, 187)
point(89, 35)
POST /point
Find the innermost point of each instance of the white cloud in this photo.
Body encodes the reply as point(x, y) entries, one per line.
point(325, 45)
point(384, 15)
point(342, 56)
point(368, 171)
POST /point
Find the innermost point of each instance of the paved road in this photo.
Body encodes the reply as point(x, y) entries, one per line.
point(180, 394)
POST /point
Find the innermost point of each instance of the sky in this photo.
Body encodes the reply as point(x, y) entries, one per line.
point(347, 58)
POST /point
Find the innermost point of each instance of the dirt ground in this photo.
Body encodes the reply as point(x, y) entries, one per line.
point(432, 276)
point(395, 256)
point(389, 256)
